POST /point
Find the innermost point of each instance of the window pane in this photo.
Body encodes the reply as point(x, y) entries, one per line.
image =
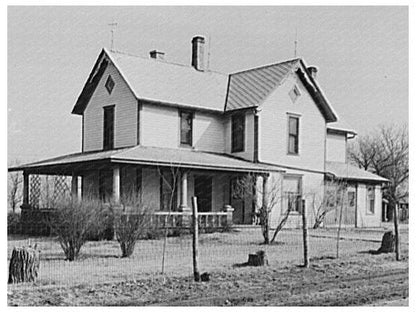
point(237, 133)
point(108, 135)
point(186, 128)
point(293, 125)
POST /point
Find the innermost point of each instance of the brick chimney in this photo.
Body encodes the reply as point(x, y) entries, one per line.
point(198, 43)
point(313, 71)
point(157, 55)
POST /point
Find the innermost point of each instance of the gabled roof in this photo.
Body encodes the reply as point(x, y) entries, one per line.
point(349, 172)
point(160, 81)
point(251, 87)
point(174, 84)
point(149, 156)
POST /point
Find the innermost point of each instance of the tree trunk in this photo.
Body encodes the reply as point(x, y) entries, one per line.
point(24, 265)
point(387, 243)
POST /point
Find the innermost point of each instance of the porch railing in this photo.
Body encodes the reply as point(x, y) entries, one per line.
point(33, 220)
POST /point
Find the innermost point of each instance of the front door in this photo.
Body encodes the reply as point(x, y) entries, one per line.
point(203, 191)
point(237, 201)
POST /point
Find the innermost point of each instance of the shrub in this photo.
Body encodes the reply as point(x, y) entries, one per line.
point(73, 221)
point(13, 223)
point(131, 222)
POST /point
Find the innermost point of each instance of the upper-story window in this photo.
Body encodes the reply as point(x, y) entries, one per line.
point(109, 84)
point(238, 124)
point(186, 128)
point(293, 140)
point(108, 135)
point(294, 93)
point(370, 200)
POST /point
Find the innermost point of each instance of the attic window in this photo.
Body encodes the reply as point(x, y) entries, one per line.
point(294, 94)
point(109, 85)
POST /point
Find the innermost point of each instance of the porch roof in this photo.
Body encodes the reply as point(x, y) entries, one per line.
point(148, 156)
point(350, 172)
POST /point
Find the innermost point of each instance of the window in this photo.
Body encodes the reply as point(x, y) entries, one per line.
point(292, 193)
point(186, 128)
point(168, 192)
point(108, 136)
point(294, 94)
point(237, 133)
point(351, 199)
point(109, 84)
point(370, 200)
point(293, 145)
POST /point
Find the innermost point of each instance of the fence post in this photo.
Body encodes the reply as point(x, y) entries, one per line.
point(195, 238)
point(305, 236)
point(396, 231)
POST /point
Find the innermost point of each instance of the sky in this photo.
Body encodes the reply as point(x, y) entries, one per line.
point(361, 52)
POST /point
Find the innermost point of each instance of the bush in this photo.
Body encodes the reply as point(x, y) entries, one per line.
point(13, 223)
point(74, 221)
point(131, 222)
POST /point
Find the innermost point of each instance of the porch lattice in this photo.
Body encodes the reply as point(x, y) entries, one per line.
point(35, 191)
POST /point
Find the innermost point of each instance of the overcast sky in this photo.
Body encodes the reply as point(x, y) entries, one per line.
point(361, 53)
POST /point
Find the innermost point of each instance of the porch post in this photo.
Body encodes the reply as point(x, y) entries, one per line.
point(116, 184)
point(25, 188)
point(184, 191)
point(75, 188)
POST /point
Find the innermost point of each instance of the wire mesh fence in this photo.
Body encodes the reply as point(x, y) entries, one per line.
point(100, 261)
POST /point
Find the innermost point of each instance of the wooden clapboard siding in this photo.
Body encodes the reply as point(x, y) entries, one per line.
point(125, 123)
point(273, 128)
point(208, 132)
point(160, 126)
point(336, 147)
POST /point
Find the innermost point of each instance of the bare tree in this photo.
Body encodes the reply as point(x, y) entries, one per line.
point(14, 194)
point(265, 201)
point(323, 202)
point(389, 158)
point(386, 153)
point(170, 178)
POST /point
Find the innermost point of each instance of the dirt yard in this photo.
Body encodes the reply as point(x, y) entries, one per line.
point(101, 278)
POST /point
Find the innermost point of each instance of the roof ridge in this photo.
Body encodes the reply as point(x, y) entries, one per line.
point(267, 65)
point(164, 62)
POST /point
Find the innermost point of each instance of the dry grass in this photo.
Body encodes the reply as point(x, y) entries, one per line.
point(100, 262)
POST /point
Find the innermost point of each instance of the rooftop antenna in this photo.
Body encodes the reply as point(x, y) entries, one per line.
point(296, 41)
point(209, 50)
point(113, 28)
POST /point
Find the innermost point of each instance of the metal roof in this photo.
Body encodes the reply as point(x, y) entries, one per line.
point(151, 156)
point(340, 126)
point(249, 88)
point(349, 172)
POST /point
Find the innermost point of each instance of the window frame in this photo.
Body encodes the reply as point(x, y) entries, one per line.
point(191, 116)
point(371, 202)
point(237, 148)
point(299, 194)
point(108, 130)
point(296, 136)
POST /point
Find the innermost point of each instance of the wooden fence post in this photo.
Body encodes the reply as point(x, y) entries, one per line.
point(305, 236)
point(396, 230)
point(195, 238)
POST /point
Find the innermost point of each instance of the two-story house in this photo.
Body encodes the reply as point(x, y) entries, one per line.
point(149, 124)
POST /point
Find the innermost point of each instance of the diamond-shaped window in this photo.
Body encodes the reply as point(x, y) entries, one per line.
point(109, 85)
point(294, 93)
